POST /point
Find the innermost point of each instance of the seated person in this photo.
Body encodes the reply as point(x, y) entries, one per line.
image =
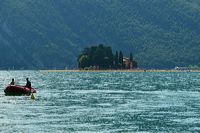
point(12, 82)
point(28, 83)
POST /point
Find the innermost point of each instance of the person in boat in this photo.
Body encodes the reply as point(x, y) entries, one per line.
point(12, 82)
point(28, 83)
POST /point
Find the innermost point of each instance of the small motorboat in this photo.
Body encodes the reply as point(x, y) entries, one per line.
point(18, 90)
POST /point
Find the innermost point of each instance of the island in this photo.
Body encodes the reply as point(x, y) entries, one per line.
point(101, 57)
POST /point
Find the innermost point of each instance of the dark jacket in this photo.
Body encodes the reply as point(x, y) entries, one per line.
point(28, 84)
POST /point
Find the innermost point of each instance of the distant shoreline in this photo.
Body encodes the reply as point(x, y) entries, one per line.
point(134, 70)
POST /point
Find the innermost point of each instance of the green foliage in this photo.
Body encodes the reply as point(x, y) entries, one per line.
point(50, 34)
point(99, 56)
point(116, 62)
point(121, 64)
point(83, 61)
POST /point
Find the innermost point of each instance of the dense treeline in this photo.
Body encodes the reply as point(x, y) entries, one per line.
point(102, 57)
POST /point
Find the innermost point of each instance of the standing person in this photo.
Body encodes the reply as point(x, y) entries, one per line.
point(12, 82)
point(28, 83)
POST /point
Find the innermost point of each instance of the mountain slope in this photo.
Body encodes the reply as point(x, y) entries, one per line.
point(49, 34)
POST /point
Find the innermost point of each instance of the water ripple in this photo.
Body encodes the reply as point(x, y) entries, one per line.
point(102, 102)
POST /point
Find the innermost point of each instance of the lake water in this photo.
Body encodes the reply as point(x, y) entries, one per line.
point(102, 102)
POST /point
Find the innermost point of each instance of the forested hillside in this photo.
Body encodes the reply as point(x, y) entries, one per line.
point(48, 34)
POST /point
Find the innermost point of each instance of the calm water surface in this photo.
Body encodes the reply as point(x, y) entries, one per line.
point(102, 102)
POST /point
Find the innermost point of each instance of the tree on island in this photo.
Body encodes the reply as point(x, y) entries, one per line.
point(121, 63)
point(83, 61)
point(130, 65)
point(101, 57)
point(116, 63)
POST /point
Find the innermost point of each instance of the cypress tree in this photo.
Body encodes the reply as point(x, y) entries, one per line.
point(121, 59)
point(131, 61)
point(116, 60)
